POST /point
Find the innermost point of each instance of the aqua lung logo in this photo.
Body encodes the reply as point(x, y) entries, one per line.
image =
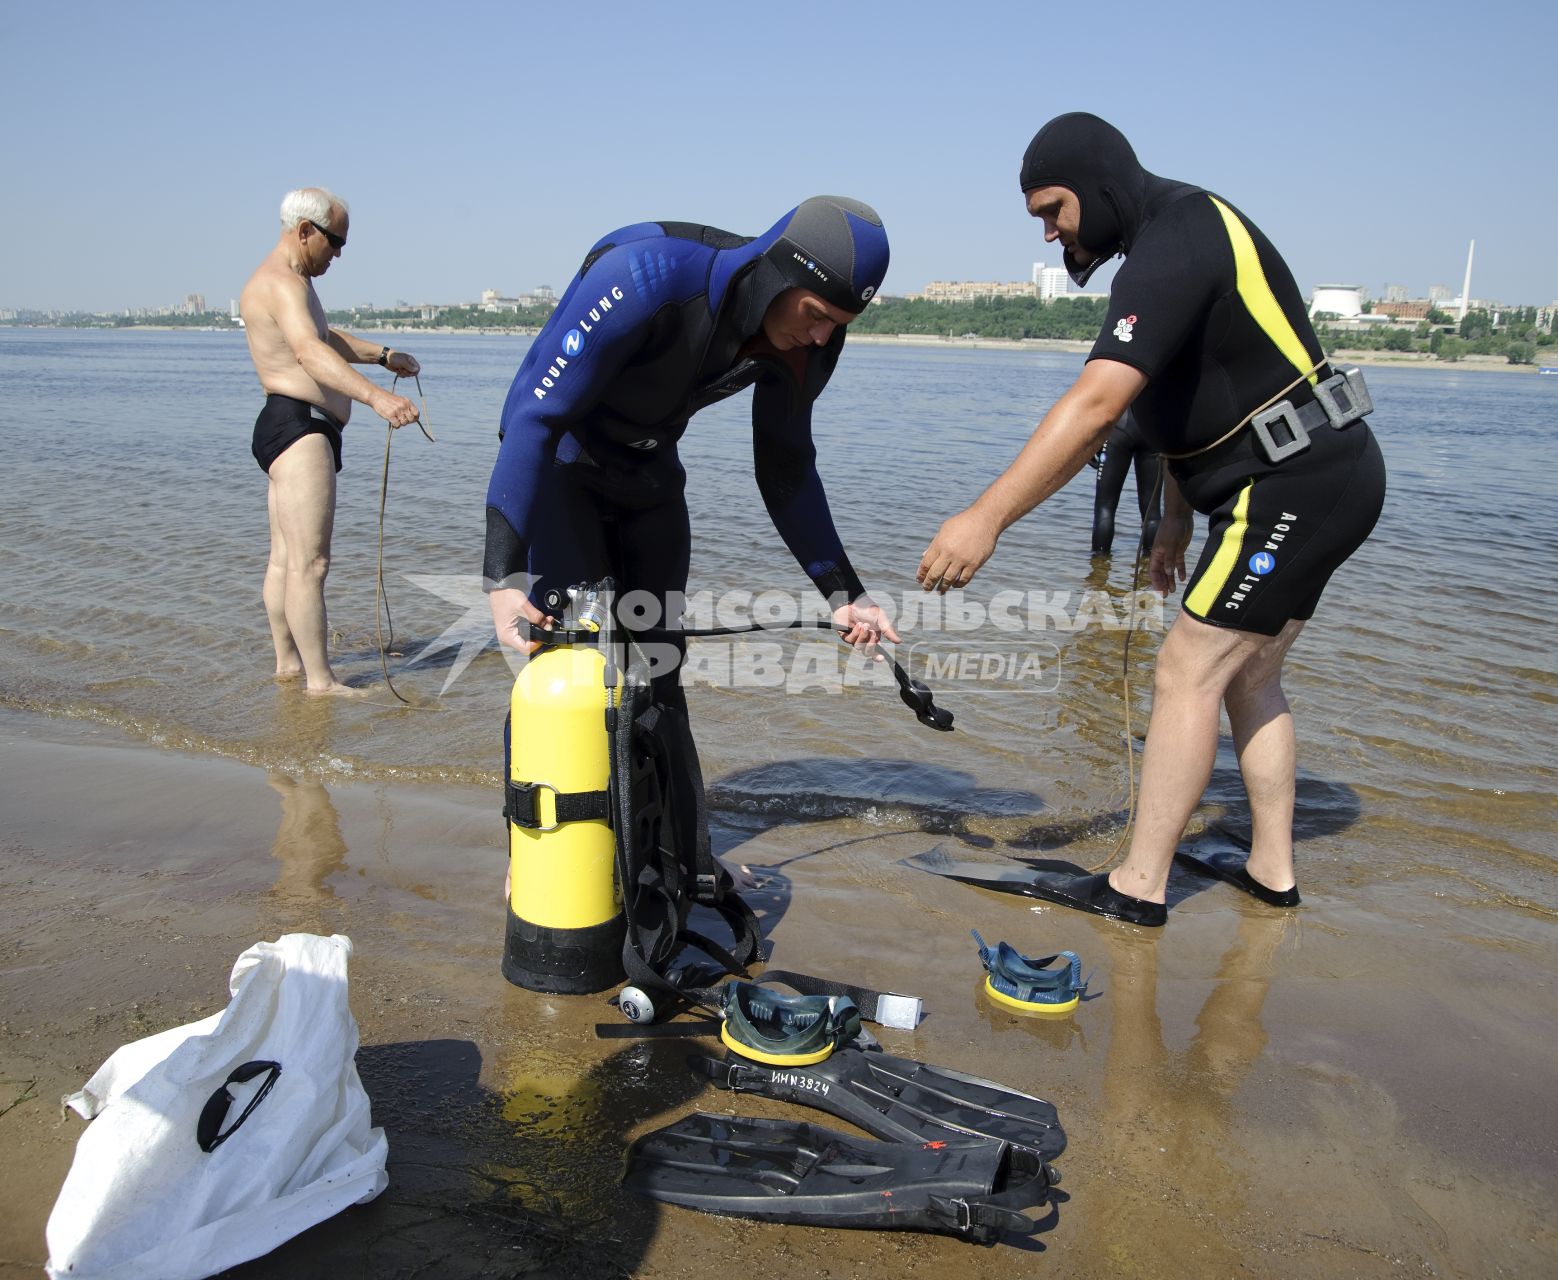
point(1262, 562)
point(575, 339)
point(865, 294)
point(811, 266)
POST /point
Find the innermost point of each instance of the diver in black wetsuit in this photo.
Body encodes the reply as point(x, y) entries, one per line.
point(1206, 332)
point(1124, 447)
point(663, 319)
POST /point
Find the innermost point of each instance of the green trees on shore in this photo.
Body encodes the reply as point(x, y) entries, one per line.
point(469, 317)
point(1076, 318)
point(88, 320)
point(1514, 336)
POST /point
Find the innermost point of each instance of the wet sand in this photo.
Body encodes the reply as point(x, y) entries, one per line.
point(1358, 1088)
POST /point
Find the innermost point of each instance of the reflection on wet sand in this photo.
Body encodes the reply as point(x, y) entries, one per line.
point(308, 844)
point(1166, 1137)
point(569, 1127)
point(485, 1183)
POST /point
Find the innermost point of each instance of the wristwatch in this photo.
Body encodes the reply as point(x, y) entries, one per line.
point(384, 356)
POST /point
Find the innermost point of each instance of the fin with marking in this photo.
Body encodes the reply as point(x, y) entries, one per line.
point(898, 1099)
point(779, 1171)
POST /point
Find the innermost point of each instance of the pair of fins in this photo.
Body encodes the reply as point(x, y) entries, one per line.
point(954, 1154)
point(1068, 885)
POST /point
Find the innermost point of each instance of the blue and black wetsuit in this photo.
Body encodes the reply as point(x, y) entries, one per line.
point(663, 319)
point(1206, 308)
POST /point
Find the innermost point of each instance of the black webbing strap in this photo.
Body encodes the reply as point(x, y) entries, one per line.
point(886, 1008)
point(521, 805)
point(983, 1220)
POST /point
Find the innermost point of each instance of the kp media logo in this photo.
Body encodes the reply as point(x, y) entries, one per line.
point(573, 343)
point(1011, 666)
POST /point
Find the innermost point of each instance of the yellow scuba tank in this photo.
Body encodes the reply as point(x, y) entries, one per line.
point(565, 918)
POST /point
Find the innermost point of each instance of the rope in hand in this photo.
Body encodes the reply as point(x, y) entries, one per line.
point(381, 606)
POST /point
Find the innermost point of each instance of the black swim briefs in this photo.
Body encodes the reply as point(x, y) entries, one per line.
point(1277, 538)
point(283, 422)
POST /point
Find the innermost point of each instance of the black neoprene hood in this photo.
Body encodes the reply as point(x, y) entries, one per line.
point(1091, 158)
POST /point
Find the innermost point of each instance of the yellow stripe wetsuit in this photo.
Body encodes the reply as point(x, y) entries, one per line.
point(1207, 309)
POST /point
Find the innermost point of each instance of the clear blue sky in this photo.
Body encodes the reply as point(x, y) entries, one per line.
point(487, 145)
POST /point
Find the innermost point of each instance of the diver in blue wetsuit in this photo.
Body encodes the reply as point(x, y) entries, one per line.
point(663, 319)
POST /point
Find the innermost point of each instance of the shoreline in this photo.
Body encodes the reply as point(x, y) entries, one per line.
point(1068, 346)
point(1213, 1060)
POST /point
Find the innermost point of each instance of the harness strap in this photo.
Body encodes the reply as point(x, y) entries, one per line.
point(1245, 421)
point(521, 805)
point(885, 1008)
point(980, 1219)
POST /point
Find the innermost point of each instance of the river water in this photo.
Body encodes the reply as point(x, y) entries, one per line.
point(1354, 1088)
point(133, 540)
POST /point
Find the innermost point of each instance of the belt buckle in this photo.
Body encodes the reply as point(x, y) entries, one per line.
point(528, 790)
point(1283, 416)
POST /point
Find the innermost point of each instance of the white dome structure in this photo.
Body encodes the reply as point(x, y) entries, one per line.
point(1343, 300)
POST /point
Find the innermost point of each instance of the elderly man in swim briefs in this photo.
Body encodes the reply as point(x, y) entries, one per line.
point(1206, 332)
point(306, 370)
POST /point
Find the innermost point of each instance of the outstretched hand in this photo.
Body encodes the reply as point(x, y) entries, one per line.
point(963, 543)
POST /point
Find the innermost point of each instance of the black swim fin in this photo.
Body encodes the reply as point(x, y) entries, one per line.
point(1049, 880)
point(899, 1099)
point(779, 1171)
point(1228, 866)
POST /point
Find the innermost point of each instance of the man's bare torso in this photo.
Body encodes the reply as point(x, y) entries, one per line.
point(274, 360)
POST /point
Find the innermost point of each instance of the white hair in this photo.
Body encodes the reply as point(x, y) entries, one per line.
point(309, 204)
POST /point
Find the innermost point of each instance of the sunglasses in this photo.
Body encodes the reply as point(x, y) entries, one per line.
point(336, 242)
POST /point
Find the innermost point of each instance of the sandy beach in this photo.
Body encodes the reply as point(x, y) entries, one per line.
point(1357, 1088)
point(1321, 1105)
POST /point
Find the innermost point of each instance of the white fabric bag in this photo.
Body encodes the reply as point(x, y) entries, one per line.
point(144, 1200)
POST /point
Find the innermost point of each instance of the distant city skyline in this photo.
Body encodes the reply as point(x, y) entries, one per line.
point(490, 148)
point(1048, 289)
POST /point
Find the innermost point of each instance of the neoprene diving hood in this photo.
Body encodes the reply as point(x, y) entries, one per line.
point(1091, 158)
point(832, 245)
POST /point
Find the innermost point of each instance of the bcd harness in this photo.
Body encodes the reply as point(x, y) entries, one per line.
point(654, 804)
